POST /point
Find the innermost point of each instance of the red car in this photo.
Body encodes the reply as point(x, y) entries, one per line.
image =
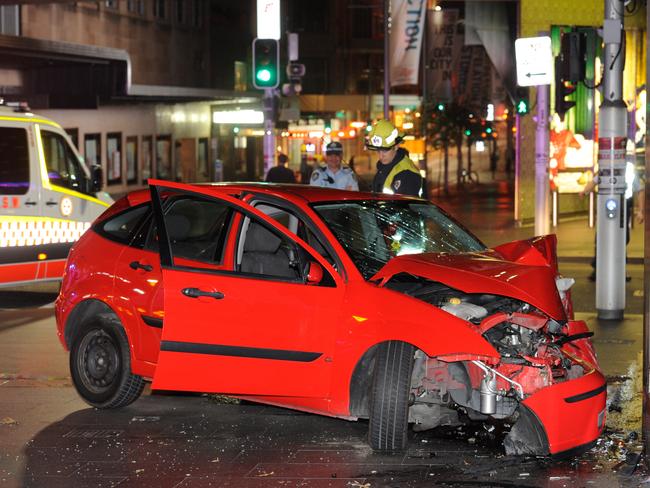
point(348, 304)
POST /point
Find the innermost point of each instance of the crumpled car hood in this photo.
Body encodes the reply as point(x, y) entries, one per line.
point(525, 270)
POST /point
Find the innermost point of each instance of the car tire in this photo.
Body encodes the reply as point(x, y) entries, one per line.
point(389, 399)
point(100, 365)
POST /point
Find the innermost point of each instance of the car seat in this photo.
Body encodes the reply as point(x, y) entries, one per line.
point(263, 254)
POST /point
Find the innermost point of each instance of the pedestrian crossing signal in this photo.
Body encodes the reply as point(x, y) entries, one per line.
point(522, 107)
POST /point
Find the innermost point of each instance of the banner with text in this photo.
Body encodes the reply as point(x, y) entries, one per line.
point(406, 41)
point(444, 44)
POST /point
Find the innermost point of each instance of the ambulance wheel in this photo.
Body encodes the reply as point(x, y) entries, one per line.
point(100, 365)
point(389, 399)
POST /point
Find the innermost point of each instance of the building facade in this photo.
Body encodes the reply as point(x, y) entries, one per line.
point(132, 81)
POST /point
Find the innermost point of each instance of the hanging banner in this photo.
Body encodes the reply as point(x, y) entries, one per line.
point(479, 77)
point(406, 41)
point(444, 44)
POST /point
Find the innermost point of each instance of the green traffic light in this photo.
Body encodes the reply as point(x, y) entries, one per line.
point(441, 107)
point(522, 107)
point(263, 75)
point(489, 130)
point(468, 132)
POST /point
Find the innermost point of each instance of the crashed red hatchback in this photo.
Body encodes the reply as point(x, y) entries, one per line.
point(348, 304)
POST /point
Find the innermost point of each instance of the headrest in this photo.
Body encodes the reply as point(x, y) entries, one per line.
point(178, 227)
point(259, 239)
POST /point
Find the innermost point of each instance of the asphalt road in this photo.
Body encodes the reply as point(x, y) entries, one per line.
point(50, 438)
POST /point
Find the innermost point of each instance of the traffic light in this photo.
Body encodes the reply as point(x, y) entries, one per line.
point(522, 101)
point(522, 107)
point(562, 90)
point(440, 107)
point(266, 61)
point(572, 57)
point(569, 70)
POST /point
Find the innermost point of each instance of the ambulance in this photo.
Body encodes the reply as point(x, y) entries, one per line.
point(48, 197)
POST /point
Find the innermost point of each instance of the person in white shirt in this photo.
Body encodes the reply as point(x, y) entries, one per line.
point(335, 173)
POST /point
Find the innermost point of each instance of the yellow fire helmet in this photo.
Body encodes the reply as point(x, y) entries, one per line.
point(383, 135)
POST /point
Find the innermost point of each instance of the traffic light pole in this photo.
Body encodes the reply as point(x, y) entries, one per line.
point(269, 128)
point(611, 214)
point(386, 59)
point(541, 163)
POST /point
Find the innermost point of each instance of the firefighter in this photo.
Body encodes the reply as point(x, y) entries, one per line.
point(335, 173)
point(396, 173)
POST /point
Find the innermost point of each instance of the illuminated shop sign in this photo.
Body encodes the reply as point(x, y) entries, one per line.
point(238, 117)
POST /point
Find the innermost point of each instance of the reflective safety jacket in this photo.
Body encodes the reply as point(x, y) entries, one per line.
point(401, 176)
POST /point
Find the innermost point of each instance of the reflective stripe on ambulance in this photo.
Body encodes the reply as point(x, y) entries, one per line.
point(35, 231)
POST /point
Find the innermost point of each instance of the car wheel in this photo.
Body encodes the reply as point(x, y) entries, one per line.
point(389, 400)
point(100, 365)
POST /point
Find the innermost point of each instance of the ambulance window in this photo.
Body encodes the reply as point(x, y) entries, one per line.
point(63, 167)
point(14, 161)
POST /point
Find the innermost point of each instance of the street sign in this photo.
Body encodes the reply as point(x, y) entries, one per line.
point(534, 61)
point(268, 19)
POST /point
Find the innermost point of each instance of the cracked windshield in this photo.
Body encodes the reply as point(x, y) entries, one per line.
point(373, 232)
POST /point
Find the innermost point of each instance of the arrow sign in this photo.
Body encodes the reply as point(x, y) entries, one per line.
point(534, 61)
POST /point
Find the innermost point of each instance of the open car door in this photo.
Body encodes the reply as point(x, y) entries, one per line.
point(250, 308)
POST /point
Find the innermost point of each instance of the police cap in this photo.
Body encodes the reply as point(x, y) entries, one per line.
point(334, 147)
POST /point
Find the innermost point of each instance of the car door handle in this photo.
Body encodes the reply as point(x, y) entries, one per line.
point(50, 203)
point(30, 202)
point(137, 265)
point(196, 293)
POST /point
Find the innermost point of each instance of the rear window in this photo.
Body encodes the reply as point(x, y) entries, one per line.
point(14, 161)
point(123, 226)
point(196, 229)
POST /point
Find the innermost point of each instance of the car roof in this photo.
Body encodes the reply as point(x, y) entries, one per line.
point(309, 194)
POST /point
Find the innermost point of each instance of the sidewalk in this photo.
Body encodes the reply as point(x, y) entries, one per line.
point(488, 209)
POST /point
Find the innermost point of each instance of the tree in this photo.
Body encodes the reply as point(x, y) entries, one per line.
point(446, 125)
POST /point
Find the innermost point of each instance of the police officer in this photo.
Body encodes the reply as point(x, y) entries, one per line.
point(334, 174)
point(396, 173)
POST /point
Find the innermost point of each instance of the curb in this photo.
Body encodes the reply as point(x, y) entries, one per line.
point(587, 259)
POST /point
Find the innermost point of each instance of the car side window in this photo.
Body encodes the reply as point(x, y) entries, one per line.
point(123, 226)
point(296, 225)
point(63, 167)
point(271, 255)
point(196, 228)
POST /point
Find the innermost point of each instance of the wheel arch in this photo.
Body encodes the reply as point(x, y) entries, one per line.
point(82, 314)
point(362, 373)
point(361, 380)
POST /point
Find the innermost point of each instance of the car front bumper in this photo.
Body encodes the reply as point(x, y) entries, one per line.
point(572, 413)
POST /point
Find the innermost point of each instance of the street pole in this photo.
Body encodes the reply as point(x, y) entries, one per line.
point(269, 126)
point(386, 58)
point(611, 218)
point(517, 165)
point(541, 163)
point(645, 426)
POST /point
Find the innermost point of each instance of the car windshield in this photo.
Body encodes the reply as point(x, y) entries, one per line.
point(373, 232)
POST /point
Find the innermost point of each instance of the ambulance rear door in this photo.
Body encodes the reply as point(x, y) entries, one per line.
point(20, 211)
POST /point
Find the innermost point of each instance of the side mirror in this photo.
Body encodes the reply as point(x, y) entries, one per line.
point(314, 273)
point(96, 176)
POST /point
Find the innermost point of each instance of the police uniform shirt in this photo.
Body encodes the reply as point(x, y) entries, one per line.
point(343, 179)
